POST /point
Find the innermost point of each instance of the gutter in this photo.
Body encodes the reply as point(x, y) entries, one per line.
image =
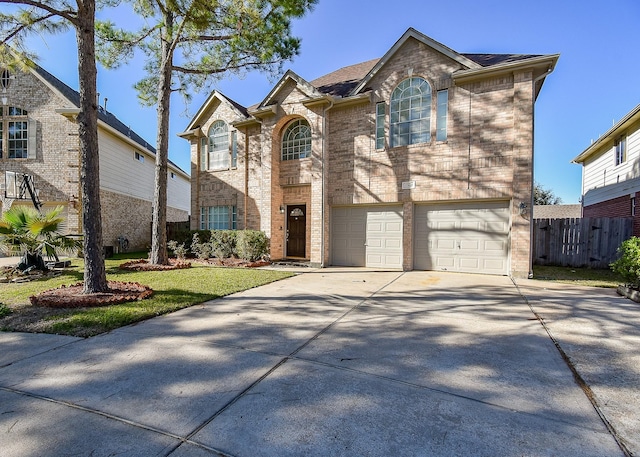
point(632, 116)
point(463, 76)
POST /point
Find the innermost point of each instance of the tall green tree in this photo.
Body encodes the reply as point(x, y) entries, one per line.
point(189, 44)
point(52, 16)
point(544, 196)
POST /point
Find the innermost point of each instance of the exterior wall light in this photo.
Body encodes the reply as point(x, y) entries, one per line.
point(522, 208)
point(281, 209)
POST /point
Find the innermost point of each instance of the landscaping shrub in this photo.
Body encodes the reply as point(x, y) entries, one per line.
point(252, 245)
point(4, 310)
point(201, 249)
point(179, 250)
point(628, 264)
point(223, 243)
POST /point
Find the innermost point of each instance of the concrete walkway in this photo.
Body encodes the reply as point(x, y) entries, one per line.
point(333, 362)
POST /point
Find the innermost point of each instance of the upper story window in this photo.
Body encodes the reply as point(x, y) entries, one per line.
point(380, 113)
point(14, 133)
point(621, 149)
point(296, 141)
point(441, 114)
point(410, 112)
point(218, 146)
point(5, 79)
point(137, 156)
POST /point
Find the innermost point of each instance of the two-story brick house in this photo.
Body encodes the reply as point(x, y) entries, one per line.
point(422, 159)
point(39, 137)
point(611, 172)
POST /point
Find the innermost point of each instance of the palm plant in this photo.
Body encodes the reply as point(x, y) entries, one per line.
point(24, 231)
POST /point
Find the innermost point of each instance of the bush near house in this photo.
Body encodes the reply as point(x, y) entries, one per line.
point(250, 245)
point(223, 243)
point(628, 264)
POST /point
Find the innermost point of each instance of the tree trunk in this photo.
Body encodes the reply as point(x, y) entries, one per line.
point(95, 277)
point(159, 253)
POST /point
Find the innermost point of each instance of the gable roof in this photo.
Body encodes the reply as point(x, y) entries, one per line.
point(240, 110)
point(618, 129)
point(301, 83)
point(103, 115)
point(413, 33)
point(349, 81)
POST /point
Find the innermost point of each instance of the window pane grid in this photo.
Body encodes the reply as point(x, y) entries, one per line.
point(218, 146)
point(14, 137)
point(218, 218)
point(17, 140)
point(296, 142)
point(441, 115)
point(410, 115)
point(621, 150)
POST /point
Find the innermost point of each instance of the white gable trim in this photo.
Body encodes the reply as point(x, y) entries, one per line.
point(207, 104)
point(413, 33)
point(631, 117)
point(302, 84)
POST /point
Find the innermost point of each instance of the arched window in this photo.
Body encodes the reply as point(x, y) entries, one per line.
point(218, 146)
point(296, 141)
point(411, 112)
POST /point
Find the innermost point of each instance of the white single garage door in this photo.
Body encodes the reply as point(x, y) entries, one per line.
point(368, 236)
point(464, 237)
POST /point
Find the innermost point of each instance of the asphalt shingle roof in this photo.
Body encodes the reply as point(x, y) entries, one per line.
point(339, 83)
point(74, 97)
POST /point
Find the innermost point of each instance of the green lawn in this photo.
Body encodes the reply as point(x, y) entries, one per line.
point(582, 276)
point(173, 290)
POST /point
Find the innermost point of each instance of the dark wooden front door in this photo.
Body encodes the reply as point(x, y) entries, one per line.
point(296, 230)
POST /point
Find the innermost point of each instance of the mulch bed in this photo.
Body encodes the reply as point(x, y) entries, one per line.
point(232, 262)
point(144, 265)
point(72, 296)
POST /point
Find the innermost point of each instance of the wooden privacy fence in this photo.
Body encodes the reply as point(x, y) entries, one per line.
point(579, 242)
point(174, 228)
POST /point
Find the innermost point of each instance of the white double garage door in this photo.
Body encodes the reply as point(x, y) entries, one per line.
point(461, 237)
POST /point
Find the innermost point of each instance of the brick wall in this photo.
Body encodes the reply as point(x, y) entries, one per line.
point(486, 157)
point(617, 207)
point(55, 168)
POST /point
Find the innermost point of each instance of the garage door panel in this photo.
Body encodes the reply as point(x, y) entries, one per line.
point(472, 263)
point(470, 245)
point(367, 236)
point(471, 237)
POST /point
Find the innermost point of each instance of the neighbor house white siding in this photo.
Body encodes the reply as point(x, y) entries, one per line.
point(604, 180)
point(122, 173)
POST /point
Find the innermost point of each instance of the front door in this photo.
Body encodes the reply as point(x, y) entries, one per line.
point(296, 230)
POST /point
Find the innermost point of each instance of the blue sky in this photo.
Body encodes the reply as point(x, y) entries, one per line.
point(595, 83)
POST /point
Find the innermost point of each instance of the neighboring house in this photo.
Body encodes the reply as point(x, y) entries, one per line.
point(557, 211)
point(39, 137)
point(611, 172)
point(421, 159)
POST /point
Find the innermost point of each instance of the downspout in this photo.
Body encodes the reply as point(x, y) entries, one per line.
point(246, 176)
point(323, 192)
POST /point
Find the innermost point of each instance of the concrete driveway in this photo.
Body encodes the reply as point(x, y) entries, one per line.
point(333, 362)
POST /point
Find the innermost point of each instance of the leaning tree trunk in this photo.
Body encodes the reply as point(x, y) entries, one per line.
point(159, 253)
point(95, 277)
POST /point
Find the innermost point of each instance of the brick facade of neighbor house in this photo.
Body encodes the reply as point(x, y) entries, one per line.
point(611, 172)
point(617, 207)
point(388, 206)
point(53, 160)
